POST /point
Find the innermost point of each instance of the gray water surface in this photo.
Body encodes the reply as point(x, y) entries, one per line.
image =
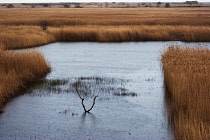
point(127, 77)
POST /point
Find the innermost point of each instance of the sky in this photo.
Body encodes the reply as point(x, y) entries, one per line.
point(45, 1)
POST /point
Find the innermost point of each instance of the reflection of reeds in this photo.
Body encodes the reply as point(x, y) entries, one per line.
point(18, 70)
point(186, 75)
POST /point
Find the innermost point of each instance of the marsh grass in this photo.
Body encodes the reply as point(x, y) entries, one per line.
point(56, 82)
point(88, 86)
point(131, 33)
point(18, 70)
point(104, 87)
point(111, 17)
point(22, 28)
point(186, 75)
point(30, 36)
point(50, 86)
point(18, 37)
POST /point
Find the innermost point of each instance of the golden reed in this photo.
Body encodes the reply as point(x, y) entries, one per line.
point(186, 75)
point(18, 70)
point(20, 28)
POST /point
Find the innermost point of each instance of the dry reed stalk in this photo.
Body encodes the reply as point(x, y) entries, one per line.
point(186, 75)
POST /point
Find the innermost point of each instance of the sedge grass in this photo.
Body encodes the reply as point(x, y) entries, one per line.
point(186, 75)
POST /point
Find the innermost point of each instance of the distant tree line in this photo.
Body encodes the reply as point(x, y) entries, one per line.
point(106, 4)
point(10, 6)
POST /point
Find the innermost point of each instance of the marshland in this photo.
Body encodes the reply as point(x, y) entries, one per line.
point(149, 68)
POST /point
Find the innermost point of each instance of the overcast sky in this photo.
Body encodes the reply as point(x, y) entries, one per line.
point(43, 1)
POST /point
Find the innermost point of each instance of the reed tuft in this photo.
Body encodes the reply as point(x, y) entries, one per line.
point(18, 70)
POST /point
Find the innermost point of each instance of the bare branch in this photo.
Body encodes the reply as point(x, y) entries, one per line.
point(84, 106)
point(93, 104)
point(84, 99)
point(78, 93)
point(81, 99)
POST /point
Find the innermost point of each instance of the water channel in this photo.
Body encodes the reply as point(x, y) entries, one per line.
point(127, 77)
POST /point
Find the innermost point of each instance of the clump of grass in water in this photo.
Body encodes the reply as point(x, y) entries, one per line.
point(50, 86)
point(98, 86)
point(102, 86)
point(132, 94)
point(56, 82)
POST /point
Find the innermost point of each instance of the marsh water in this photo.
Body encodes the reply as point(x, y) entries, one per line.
point(126, 77)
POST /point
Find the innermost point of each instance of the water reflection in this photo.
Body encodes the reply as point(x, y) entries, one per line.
point(87, 118)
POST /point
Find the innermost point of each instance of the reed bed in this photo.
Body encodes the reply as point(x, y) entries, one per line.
point(186, 75)
point(18, 70)
point(104, 16)
point(17, 37)
point(131, 33)
point(21, 28)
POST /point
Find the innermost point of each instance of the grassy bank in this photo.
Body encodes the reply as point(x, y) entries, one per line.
point(20, 28)
point(17, 71)
point(186, 75)
point(17, 37)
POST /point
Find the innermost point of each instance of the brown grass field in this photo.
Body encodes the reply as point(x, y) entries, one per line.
point(20, 28)
point(186, 75)
point(186, 70)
